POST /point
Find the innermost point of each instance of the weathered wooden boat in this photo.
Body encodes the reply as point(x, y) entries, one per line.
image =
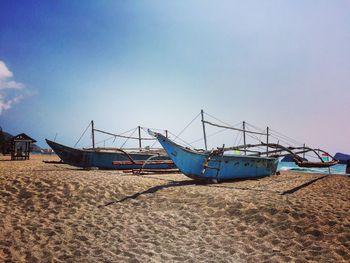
point(116, 159)
point(214, 165)
point(113, 158)
point(218, 165)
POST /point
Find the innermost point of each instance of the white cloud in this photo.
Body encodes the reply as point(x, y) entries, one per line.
point(4, 71)
point(11, 91)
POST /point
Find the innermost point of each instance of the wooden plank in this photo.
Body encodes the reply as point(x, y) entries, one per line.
point(142, 162)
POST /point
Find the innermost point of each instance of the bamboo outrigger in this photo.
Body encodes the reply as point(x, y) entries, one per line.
point(113, 158)
point(218, 165)
point(279, 150)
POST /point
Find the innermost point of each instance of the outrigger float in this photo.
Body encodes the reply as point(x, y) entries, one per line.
point(137, 159)
point(218, 165)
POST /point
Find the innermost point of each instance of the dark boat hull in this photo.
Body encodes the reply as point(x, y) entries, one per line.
point(191, 163)
point(315, 164)
point(103, 160)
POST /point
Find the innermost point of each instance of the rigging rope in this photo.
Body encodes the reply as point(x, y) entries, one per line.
point(285, 137)
point(257, 133)
point(82, 135)
point(122, 136)
point(238, 135)
point(212, 134)
point(153, 144)
point(126, 131)
point(113, 135)
point(289, 143)
point(145, 129)
point(278, 135)
point(121, 147)
point(188, 144)
point(176, 136)
point(255, 127)
point(103, 141)
point(221, 120)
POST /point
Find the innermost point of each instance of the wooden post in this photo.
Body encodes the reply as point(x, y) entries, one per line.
point(28, 149)
point(267, 141)
point(205, 136)
point(304, 151)
point(13, 150)
point(26, 153)
point(244, 141)
point(166, 133)
point(139, 136)
point(93, 134)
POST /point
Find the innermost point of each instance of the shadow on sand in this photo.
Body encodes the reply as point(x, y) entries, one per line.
point(154, 189)
point(171, 184)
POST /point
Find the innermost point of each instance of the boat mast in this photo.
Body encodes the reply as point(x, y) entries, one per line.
point(267, 141)
point(244, 141)
point(205, 137)
point(93, 134)
point(139, 128)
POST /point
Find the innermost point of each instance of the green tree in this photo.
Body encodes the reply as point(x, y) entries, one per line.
point(2, 141)
point(2, 138)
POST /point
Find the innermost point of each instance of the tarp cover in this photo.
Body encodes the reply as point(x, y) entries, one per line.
point(342, 157)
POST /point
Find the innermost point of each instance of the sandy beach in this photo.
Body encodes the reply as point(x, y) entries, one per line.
point(57, 213)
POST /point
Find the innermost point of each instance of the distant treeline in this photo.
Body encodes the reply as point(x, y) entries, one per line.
point(5, 146)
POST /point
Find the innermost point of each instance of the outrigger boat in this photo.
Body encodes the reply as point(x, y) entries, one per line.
point(214, 165)
point(217, 165)
point(113, 158)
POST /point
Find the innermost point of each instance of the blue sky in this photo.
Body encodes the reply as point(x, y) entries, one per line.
point(284, 64)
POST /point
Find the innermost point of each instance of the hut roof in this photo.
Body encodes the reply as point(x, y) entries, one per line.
point(22, 137)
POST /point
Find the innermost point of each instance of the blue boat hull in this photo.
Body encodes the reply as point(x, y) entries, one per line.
point(191, 163)
point(103, 160)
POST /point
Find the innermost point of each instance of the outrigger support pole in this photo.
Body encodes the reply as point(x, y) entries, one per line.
point(205, 136)
point(93, 134)
point(244, 141)
point(267, 141)
point(139, 128)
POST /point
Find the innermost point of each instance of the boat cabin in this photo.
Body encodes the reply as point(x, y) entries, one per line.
point(20, 146)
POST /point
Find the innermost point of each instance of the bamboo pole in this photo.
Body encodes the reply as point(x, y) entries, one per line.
point(267, 141)
point(122, 136)
point(232, 128)
point(139, 128)
point(93, 134)
point(244, 140)
point(205, 137)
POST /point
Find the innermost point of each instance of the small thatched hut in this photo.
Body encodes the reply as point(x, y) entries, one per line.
point(20, 146)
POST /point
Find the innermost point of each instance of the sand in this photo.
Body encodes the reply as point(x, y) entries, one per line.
point(57, 213)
